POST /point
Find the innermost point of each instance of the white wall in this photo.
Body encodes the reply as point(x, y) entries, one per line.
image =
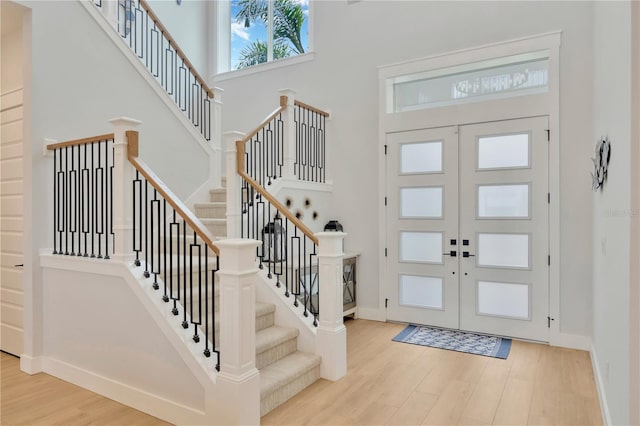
point(188, 25)
point(612, 205)
point(80, 80)
point(111, 335)
point(634, 300)
point(11, 78)
point(352, 39)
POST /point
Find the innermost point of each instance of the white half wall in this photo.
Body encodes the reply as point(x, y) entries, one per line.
point(106, 329)
point(612, 84)
point(98, 334)
point(352, 39)
point(311, 202)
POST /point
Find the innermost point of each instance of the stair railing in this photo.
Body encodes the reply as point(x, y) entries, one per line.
point(306, 267)
point(176, 249)
point(149, 39)
point(289, 143)
point(310, 156)
point(167, 240)
point(289, 249)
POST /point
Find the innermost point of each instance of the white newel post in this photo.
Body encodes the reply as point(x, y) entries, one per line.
point(123, 175)
point(331, 338)
point(234, 185)
point(216, 118)
point(216, 154)
point(289, 133)
point(238, 372)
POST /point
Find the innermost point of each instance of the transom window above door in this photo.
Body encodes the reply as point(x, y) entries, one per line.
point(509, 76)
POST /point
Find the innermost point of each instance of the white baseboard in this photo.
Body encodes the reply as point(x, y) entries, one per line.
point(571, 341)
point(373, 314)
point(602, 395)
point(31, 365)
point(123, 393)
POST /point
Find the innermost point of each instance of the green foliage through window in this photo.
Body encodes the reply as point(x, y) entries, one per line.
point(250, 23)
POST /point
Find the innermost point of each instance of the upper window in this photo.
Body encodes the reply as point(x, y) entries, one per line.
point(266, 30)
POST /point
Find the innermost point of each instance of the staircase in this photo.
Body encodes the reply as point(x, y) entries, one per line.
point(284, 371)
point(172, 304)
point(213, 213)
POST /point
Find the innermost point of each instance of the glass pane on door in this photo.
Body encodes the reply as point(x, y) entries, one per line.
point(424, 247)
point(503, 201)
point(421, 202)
point(503, 299)
point(503, 250)
point(503, 152)
point(424, 292)
point(421, 157)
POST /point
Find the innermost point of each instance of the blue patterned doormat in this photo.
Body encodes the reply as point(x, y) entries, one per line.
point(454, 340)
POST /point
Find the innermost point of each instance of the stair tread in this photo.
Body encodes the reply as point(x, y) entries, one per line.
point(206, 220)
point(211, 204)
point(273, 336)
point(262, 308)
point(286, 370)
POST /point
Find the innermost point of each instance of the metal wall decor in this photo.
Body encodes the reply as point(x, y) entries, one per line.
point(601, 163)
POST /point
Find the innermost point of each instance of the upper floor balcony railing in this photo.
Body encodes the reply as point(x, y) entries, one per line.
point(142, 30)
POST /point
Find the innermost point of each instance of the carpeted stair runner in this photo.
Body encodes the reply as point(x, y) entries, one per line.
point(284, 371)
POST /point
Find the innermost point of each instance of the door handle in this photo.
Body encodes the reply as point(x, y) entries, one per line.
point(467, 254)
point(18, 266)
point(452, 253)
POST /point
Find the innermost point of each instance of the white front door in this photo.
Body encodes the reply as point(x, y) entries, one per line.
point(467, 227)
point(422, 218)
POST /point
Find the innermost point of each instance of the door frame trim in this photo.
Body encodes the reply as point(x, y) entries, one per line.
point(545, 104)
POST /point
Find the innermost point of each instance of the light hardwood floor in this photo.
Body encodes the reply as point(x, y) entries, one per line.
point(388, 383)
point(42, 399)
point(391, 383)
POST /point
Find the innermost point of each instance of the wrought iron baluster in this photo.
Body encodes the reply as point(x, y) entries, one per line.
point(137, 217)
point(164, 245)
point(195, 251)
point(154, 239)
point(108, 212)
point(185, 324)
point(213, 310)
point(145, 230)
point(55, 200)
point(207, 352)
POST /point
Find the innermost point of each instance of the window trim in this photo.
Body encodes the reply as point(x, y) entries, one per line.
point(265, 66)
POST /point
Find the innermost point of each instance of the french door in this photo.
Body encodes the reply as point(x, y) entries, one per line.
point(467, 227)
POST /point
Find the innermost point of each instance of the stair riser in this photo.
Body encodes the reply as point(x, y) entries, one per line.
point(218, 196)
point(219, 230)
point(211, 212)
point(265, 321)
point(277, 352)
point(262, 322)
point(271, 401)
